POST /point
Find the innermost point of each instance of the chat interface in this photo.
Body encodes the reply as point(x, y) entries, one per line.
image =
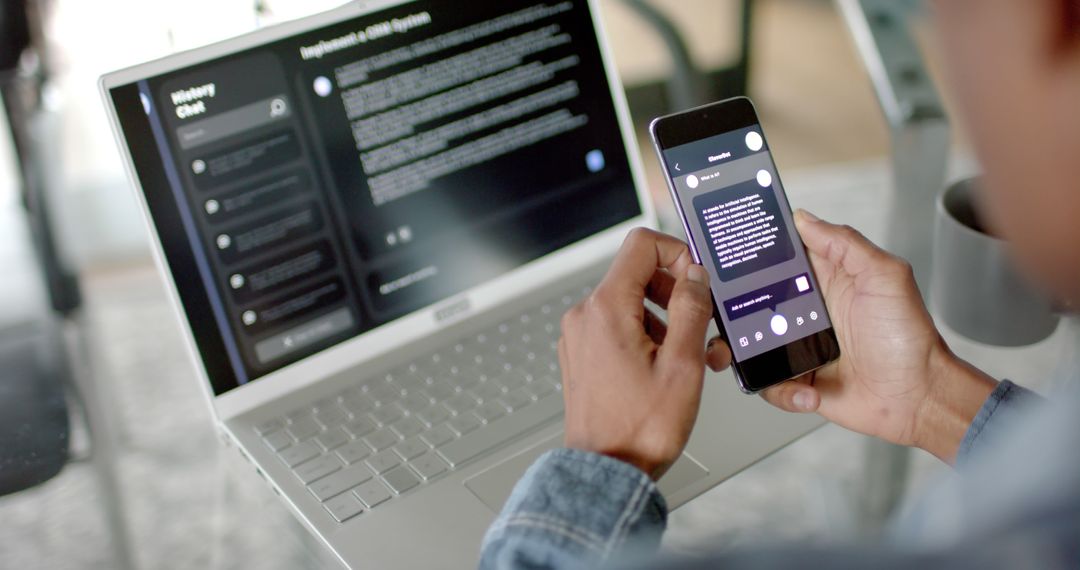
point(336, 180)
point(741, 227)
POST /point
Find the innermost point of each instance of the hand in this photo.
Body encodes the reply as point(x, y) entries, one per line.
point(632, 385)
point(896, 379)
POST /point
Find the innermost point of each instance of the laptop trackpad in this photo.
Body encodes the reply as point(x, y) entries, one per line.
point(494, 485)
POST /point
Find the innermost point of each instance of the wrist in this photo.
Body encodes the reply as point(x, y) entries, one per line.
point(957, 391)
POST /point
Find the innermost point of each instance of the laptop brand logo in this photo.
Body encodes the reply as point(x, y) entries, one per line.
point(455, 309)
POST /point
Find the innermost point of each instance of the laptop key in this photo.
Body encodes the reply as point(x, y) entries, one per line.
point(354, 452)
point(459, 451)
point(339, 482)
point(410, 448)
point(383, 461)
point(269, 426)
point(372, 493)
point(401, 479)
point(317, 468)
point(387, 414)
point(516, 400)
point(384, 393)
point(360, 427)
point(408, 427)
point(491, 411)
point(428, 466)
point(488, 390)
point(439, 391)
point(539, 390)
point(512, 381)
point(344, 507)
point(303, 428)
point(331, 416)
point(464, 423)
point(415, 402)
point(299, 453)
point(434, 415)
point(358, 403)
point(460, 403)
point(382, 439)
point(438, 435)
point(332, 439)
point(278, 440)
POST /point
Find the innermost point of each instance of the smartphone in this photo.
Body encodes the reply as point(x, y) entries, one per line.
point(767, 302)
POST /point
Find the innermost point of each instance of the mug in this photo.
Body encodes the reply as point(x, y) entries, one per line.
point(975, 287)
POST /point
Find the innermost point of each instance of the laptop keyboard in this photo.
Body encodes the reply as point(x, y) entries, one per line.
point(393, 433)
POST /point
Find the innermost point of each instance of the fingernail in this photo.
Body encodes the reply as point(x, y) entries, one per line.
point(802, 400)
point(696, 273)
point(808, 215)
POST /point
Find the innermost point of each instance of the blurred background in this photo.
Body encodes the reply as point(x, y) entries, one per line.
point(122, 470)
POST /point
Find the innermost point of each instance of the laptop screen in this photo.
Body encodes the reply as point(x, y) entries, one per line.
point(314, 188)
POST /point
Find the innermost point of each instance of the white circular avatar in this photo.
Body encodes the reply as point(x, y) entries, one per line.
point(692, 181)
point(236, 281)
point(764, 178)
point(754, 141)
point(198, 167)
point(212, 207)
point(249, 318)
point(224, 241)
point(778, 325)
point(323, 87)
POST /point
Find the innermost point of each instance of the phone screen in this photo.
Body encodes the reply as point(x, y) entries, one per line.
point(740, 224)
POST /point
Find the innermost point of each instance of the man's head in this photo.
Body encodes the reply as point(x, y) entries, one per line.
point(1014, 66)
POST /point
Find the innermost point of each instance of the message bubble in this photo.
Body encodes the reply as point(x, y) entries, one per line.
point(280, 228)
point(767, 297)
point(247, 159)
point(279, 272)
point(261, 194)
point(744, 229)
point(304, 303)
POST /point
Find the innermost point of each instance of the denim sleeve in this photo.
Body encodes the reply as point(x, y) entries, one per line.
point(995, 419)
point(573, 509)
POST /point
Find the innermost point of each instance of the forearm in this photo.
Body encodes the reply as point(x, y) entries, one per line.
point(573, 509)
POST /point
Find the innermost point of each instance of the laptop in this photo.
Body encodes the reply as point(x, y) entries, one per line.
point(370, 222)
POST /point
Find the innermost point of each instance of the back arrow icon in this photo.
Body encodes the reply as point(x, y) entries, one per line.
point(677, 167)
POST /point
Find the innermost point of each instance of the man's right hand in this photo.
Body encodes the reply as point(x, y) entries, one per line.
point(896, 379)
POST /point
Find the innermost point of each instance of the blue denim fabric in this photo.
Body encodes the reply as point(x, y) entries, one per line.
point(1006, 404)
point(574, 509)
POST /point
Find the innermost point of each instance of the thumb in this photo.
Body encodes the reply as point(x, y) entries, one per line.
point(793, 396)
point(689, 311)
point(842, 246)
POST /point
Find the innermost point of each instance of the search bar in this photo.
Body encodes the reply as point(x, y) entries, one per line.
point(234, 122)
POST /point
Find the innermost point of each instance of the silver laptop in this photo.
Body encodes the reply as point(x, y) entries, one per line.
point(371, 221)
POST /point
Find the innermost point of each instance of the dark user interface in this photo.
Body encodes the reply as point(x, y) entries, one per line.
point(333, 181)
point(740, 223)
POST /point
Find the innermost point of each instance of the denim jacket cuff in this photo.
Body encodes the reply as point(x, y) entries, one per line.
point(575, 505)
point(995, 418)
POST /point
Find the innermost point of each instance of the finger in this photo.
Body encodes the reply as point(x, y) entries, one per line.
point(842, 246)
point(689, 311)
point(795, 396)
point(717, 354)
point(655, 327)
point(659, 289)
point(642, 253)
